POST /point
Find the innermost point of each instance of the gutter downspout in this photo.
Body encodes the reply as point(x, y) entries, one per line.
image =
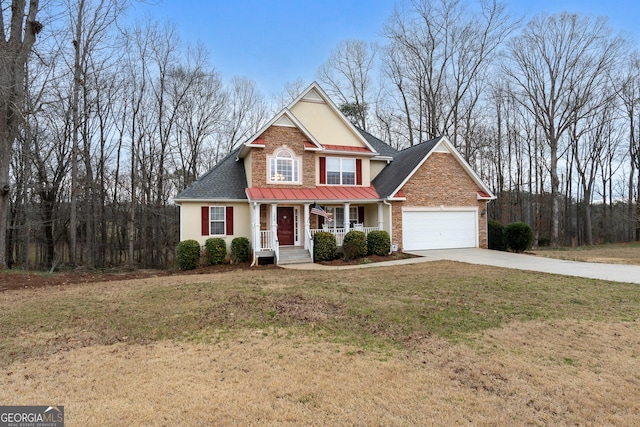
point(390, 223)
point(256, 234)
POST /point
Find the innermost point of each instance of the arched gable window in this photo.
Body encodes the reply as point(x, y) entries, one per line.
point(284, 167)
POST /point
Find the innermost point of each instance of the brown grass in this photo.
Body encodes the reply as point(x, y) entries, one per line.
point(560, 373)
point(622, 253)
point(440, 343)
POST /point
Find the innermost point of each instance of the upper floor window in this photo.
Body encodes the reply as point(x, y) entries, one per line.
point(284, 168)
point(341, 171)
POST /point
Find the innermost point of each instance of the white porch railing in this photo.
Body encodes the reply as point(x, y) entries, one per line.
point(265, 240)
point(269, 240)
point(340, 232)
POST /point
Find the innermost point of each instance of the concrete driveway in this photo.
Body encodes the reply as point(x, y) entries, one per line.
point(614, 272)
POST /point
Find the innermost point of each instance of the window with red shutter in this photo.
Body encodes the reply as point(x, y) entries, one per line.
point(204, 218)
point(323, 170)
point(229, 219)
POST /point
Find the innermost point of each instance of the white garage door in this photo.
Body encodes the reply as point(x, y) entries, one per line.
point(439, 229)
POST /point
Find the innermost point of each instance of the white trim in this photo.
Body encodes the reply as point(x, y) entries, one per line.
point(284, 112)
point(349, 153)
point(205, 201)
point(284, 121)
point(439, 208)
point(312, 96)
point(341, 171)
point(224, 221)
point(296, 166)
point(297, 231)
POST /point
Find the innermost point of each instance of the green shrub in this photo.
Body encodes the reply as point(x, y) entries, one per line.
point(544, 241)
point(378, 243)
point(240, 250)
point(188, 254)
point(519, 236)
point(354, 245)
point(216, 249)
point(324, 246)
point(497, 240)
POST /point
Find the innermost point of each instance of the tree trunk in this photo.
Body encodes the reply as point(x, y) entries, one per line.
point(14, 53)
point(555, 184)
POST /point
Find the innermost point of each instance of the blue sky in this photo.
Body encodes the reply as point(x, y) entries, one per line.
point(275, 42)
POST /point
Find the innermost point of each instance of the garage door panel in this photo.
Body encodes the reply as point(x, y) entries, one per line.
point(439, 229)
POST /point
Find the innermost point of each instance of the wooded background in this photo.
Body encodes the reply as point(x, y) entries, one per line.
point(103, 122)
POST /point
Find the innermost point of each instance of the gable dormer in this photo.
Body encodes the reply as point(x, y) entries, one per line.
point(322, 118)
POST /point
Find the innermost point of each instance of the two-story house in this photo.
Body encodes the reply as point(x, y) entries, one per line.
point(309, 169)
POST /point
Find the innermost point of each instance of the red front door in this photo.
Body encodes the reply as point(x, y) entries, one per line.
point(285, 226)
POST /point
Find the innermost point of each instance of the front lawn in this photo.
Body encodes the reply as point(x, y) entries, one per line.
point(388, 345)
point(619, 253)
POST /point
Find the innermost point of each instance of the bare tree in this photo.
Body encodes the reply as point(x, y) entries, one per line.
point(589, 141)
point(90, 22)
point(291, 91)
point(15, 48)
point(245, 113)
point(557, 65)
point(347, 76)
point(200, 116)
point(438, 54)
point(629, 93)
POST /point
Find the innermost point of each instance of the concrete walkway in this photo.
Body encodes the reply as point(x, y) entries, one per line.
point(591, 270)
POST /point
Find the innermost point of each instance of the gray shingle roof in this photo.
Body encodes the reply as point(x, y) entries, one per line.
point(404, 163)
point(380, 146)
point(226, 180)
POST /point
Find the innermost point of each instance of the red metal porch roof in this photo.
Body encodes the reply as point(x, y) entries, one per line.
point(324, 193)
point(346, 148)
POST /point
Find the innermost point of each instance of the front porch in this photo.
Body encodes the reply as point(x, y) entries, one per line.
point(277, 227)
point(269, 246)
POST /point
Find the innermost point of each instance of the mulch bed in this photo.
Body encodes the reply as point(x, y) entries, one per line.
point(17, 279)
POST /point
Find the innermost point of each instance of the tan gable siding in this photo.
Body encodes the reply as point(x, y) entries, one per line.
point(323, 123)
point(375, 167)
point(440, 181)
point(248, 169)
point(275, 138)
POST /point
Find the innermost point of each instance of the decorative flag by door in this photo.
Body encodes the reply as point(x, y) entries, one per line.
point(317, 210)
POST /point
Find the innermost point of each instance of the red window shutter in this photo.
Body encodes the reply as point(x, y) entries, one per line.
point(323, 170)
point(204, 217)
point(358, 171)
point(229, 220)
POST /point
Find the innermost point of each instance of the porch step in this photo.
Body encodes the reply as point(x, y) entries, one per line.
point(294, 256)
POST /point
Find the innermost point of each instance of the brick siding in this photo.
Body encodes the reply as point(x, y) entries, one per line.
point(440, 181)
point(275, 138)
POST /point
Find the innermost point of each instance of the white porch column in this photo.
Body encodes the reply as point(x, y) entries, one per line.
point(380, 216)
point(255, 224)
point(307, 225)
point(274, 218)
point(346, 217)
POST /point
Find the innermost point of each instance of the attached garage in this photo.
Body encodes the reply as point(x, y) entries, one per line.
point(441, 229)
